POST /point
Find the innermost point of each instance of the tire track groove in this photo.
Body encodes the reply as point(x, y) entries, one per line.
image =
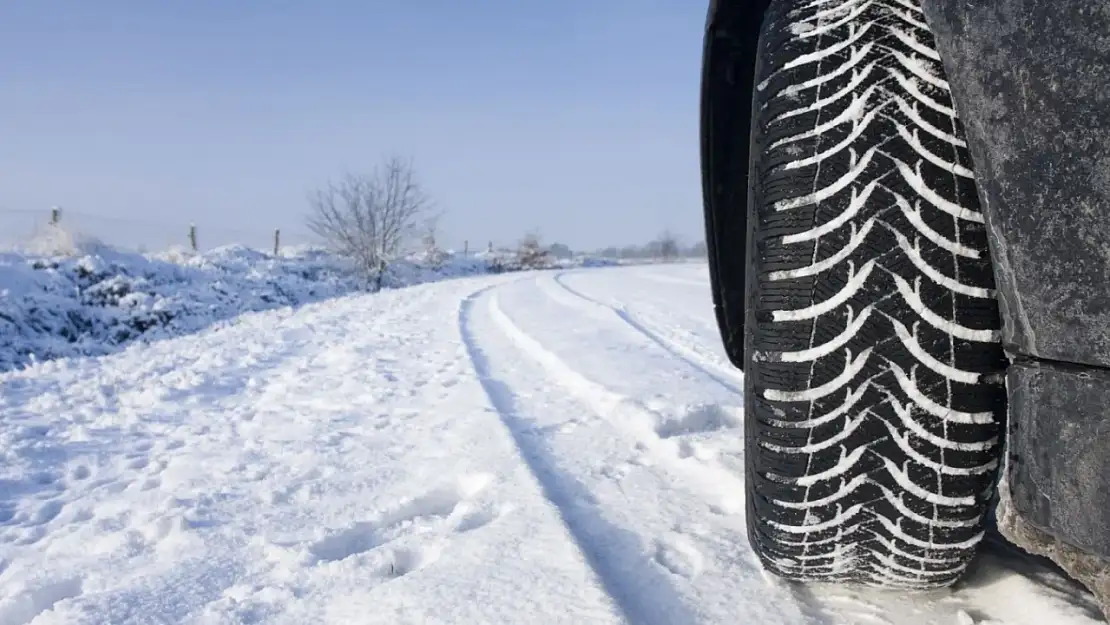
point(638, 593)
point(678, 351)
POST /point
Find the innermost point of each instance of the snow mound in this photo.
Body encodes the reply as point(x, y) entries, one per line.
point(65, 298)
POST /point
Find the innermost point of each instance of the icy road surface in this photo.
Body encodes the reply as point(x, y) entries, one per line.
point(527, 449)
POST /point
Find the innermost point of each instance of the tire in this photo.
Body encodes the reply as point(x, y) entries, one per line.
point(874, 383)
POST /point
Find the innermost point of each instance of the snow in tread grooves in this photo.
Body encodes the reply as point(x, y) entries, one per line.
point(847, 113)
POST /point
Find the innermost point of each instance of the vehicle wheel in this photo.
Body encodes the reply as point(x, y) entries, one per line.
point(874, 394)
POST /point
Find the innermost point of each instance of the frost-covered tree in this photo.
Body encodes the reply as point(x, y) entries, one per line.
point(368, 218)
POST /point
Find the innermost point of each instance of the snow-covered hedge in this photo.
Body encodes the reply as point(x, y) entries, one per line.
point(92, 300)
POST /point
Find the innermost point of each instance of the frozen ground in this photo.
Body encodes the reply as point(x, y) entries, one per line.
point(532, 448)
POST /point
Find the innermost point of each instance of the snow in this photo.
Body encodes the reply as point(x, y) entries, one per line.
point(537, 447)
point(71, 298)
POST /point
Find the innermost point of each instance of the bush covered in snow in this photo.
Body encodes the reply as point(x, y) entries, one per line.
point(96, 302)
point(65, 298)
point(88, 304)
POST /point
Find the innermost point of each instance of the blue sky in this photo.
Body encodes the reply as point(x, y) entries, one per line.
point(577, 117)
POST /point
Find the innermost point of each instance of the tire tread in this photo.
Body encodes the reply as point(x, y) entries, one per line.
point(873, 422)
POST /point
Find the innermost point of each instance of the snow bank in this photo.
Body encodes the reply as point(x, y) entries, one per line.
point(66, 298)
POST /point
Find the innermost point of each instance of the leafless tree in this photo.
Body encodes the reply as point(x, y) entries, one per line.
point(370, 217)
point(667, 245)
point(531, 254)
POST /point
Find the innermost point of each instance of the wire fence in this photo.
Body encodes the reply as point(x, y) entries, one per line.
point(62, 230)
point(26, 229)
point(23, 227)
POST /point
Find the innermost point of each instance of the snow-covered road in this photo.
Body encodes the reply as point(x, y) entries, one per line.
point(522, 449)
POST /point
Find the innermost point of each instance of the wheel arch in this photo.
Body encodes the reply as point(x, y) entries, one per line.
point(1028, 79)
point(728, 70)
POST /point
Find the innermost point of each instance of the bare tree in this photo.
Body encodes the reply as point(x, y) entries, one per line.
point(667, 245)
point(369, 217)
point(531, 254)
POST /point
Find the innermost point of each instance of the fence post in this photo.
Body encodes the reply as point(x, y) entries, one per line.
point(277, 240)
point(381, 272)
point(55, 215)
point(193, 236)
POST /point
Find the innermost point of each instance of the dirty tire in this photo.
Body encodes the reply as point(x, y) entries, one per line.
point(873, 381)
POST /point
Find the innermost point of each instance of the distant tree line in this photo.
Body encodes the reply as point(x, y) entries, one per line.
point(667, 246)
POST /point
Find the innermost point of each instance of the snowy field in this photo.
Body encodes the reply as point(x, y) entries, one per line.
point(531, 448)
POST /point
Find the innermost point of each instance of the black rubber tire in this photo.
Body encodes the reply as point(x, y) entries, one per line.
point(874, 393)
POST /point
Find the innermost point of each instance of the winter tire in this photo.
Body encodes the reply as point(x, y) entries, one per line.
point(873, 387)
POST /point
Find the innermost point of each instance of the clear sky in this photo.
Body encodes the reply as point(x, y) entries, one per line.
point(574, 117)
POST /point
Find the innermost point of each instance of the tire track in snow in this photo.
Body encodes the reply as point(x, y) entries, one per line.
point(654, 277)
point(681, 352)
point(603, 545)
point(720, 487)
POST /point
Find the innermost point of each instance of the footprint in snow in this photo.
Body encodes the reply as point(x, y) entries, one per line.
point(693, 449)
point(698, 419)
point(80, 472)
point(81, 515)
point(405, 560)
point(398, 561)
point(679, 555)
point(47, 479)
point(421, 512)
point(47, 512)
point(481, 518)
